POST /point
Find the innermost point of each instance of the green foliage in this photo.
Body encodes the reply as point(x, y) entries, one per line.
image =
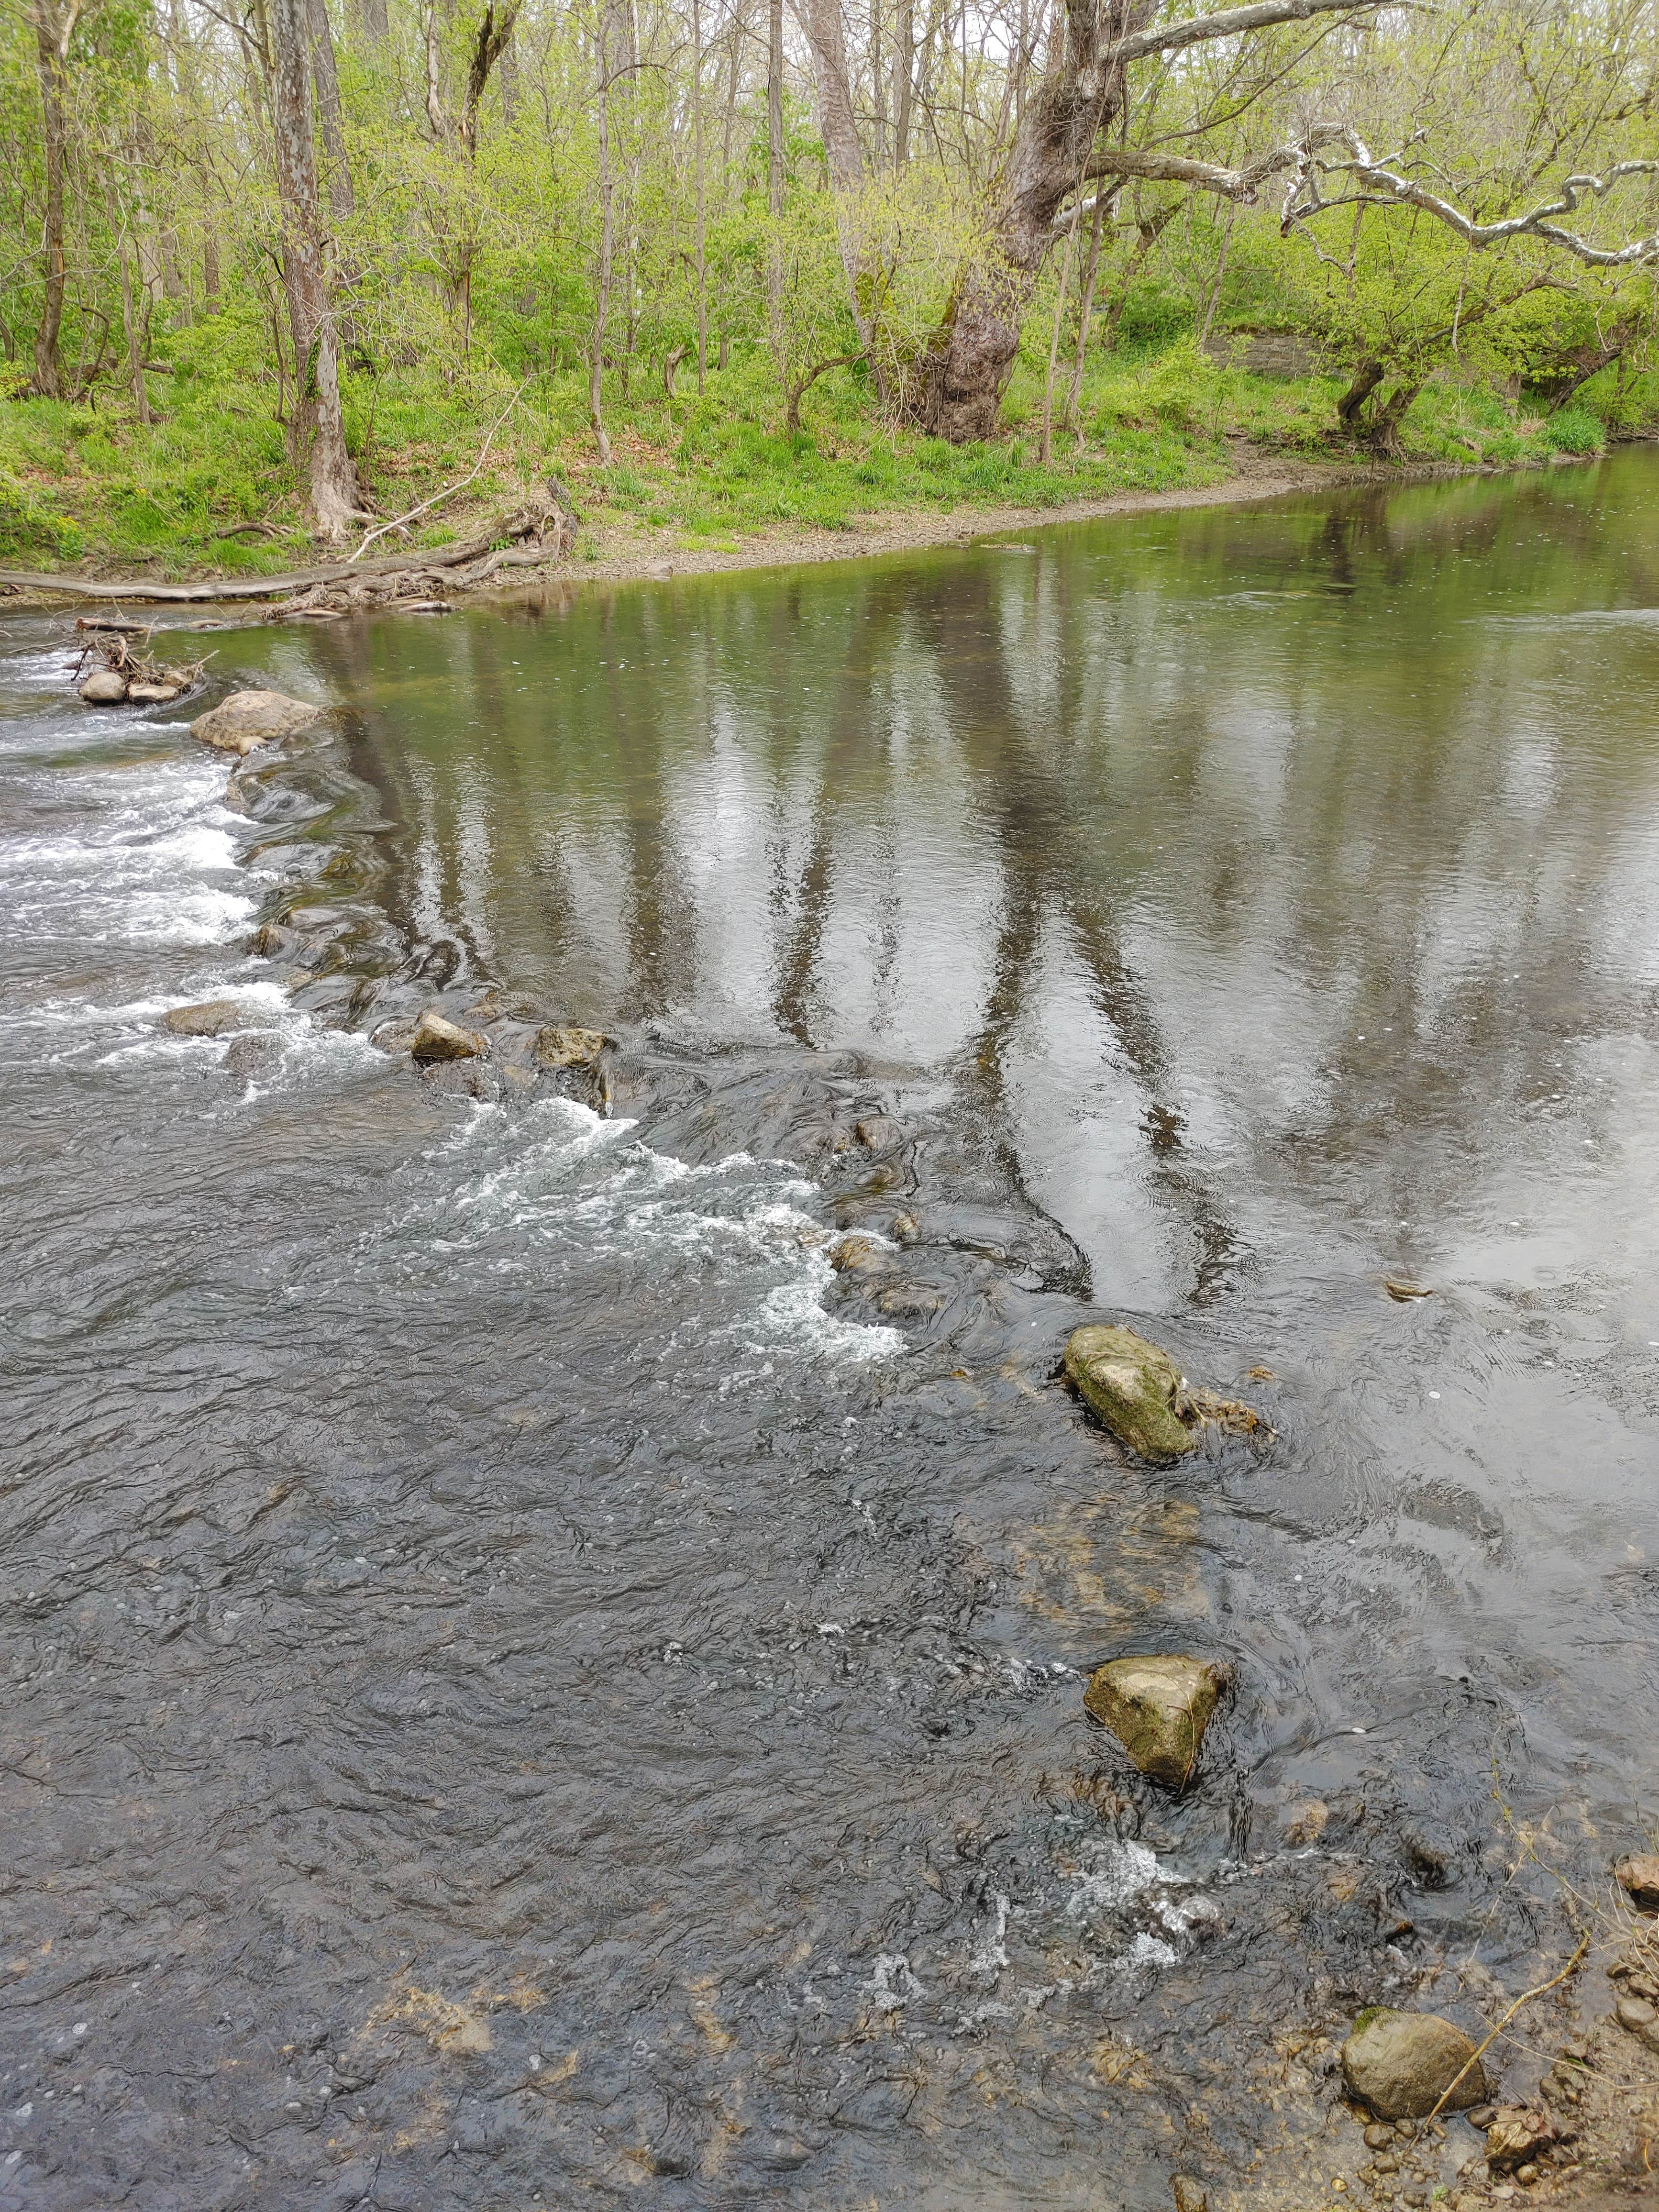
point(1575, 430)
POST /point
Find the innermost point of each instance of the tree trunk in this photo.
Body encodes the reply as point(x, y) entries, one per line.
point(774, 176)
point(373, 22)
point(342, 200)
point(702, 201)
point(904, 62)
point(52, 40)
point(1074, 393)
point(973, 352)
point(1366, 378)
point(316, 428)
point(607, 245)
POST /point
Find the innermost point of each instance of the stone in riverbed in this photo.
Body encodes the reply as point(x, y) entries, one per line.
point(437, 1039)
point(1516, 2135)
point(1639, 1879)
point(145, 694)
point(210, 1020)
point(1401, 2064)
point(1136, 1389)
point(105, 687)
point(248, 719)
point(1158, 1708)
point(557, 1048)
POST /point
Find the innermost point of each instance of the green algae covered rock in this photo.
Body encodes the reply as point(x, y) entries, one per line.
point(1158, 1708)
point(1136, 1389)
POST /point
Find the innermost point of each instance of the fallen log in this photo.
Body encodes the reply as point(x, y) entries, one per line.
point(271, 588)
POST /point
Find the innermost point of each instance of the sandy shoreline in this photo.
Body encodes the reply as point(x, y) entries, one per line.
point(619, 555)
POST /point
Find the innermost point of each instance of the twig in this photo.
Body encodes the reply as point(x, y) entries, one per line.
point(399, 521)
point(1526, 1997)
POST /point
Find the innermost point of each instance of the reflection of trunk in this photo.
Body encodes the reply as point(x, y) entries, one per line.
point(52, 42)
point(316, 428)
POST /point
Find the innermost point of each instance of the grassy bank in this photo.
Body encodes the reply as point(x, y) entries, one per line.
point(207, 487)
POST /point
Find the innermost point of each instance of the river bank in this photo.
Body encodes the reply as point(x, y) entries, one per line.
point(617, 549)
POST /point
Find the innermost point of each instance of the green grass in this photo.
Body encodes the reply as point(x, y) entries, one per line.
point(91, 484)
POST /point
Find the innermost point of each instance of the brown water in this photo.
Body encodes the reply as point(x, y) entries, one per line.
point(522, 1679)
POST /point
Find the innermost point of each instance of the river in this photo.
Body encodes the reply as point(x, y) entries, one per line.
point(526, 1686)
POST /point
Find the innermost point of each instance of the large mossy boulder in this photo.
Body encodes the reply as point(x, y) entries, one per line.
point(1158, 1708)
point(1402, 2064)
point(248, 719)
point(1135, 1388)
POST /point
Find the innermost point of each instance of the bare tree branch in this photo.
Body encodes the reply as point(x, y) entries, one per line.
point(1199, 30)
point(1385, 186)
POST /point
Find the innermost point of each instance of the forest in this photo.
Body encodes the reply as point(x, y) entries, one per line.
point(288, 273)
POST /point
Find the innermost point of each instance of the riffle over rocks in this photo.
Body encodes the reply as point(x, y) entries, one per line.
point(248, 719)
point(437, 1039)
point(1138, 1391)
point(1402, 2064)
point(1158, 1708)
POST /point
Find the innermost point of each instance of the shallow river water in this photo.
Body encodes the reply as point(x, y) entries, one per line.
point(526, 1685)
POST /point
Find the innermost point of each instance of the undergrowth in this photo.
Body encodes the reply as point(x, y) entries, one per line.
point(208, 485)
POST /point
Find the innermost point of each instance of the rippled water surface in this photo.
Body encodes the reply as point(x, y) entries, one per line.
point(529, 1685)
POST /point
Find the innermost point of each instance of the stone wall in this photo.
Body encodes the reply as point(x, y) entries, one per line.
point(1264, 353)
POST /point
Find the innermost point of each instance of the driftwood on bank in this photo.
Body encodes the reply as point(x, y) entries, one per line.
point(543, 528)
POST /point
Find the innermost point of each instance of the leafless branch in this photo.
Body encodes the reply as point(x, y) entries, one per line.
point(1385, 186)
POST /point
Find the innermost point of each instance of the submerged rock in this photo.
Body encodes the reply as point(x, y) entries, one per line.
point(1516, 2135)
point(437, 1039)
point(1639, 1879)
point(1135, 1388)
point(1158, 1708)
point(1401, 2064)
point(105, 687)
point(210, 1020)
point(246, 1058)
point(1189, 2195)
point(558, 1047)
point(248, 718)
point(859, 1255)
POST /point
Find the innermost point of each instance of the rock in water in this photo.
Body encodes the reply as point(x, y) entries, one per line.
point(1139, 1392)
point(1188, 2194)
point(212, 1018)
point(146, 694)
point(1401, 2064)
point(105, 687)
point(1136, 1389)
point(1639, 1879)
point(248, 719)
point(437, 1039)
point(569, 1047)
point(1158, 1709)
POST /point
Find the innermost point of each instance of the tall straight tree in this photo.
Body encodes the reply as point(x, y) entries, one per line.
point(317, 427)
point(54, 28)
